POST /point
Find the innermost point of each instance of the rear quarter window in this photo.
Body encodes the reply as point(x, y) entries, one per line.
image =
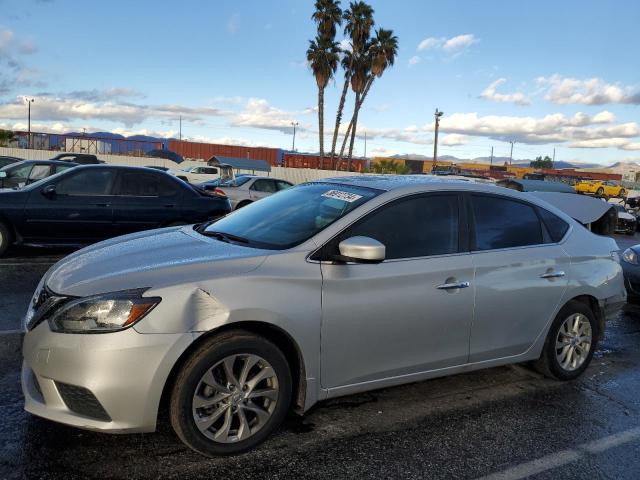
point(556, 226)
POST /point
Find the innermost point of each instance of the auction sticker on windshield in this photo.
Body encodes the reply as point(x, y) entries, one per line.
point(340, 195)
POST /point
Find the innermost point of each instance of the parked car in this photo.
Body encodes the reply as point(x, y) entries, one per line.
point(627, 222)
point(17, 175)
point(601, 188)
point(5, 160)
point(196, 174)
point(79, 158)
point(90, 203)
point(246, 189)
point(326, 289)
point(631, 268)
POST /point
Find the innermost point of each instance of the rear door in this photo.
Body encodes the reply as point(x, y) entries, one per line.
point(521, 273)
point(145, 200)
point(80, 210)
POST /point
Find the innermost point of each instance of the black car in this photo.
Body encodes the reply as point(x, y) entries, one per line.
point(627, 222)
point(631, 268)
point(23, 173)
point(5, 160)
point(79, 158)
point(157, 167)
point(93, 202)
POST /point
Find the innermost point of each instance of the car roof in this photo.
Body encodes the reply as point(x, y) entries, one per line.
point(41, 162)
point(393, 182)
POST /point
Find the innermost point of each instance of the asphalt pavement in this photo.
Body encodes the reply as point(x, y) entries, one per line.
point(499, 423)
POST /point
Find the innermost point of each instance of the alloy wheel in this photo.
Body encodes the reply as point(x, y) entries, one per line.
point(235, 398)
point(573, 342)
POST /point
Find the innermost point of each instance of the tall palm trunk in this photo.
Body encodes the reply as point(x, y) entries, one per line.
point(355, 113)
point(343, 98)
point(321, 122)
point(354, 124)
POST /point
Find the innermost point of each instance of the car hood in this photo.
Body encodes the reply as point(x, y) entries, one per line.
point(153, 258)
point(582, 208)
point(626, 216)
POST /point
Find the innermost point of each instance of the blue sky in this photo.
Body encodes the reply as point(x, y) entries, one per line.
point(544, 74)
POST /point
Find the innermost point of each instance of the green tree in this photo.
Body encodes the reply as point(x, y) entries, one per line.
point(322, 56)
point(390, 166)
point(6, 137)
point(328, 16)
point(540, 162)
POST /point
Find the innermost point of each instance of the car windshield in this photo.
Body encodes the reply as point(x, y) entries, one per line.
point(290, 217)
point(236, 182)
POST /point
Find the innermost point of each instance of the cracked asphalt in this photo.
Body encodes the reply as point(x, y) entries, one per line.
point(501, 423)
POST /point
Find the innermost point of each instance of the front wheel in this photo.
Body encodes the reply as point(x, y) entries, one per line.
point(5, 238)
point(570, 343)
point(600, 192)
point(231, 394)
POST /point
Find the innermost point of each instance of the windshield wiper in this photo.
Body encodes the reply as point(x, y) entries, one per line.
point(224, 237)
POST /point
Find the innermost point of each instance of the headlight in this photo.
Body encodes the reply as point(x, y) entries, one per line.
point(630, 256)
point(109, 312)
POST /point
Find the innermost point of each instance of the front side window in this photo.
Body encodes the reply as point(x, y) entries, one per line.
point(293, 216)
point(235, 182)
point(87, 183)
point(282, 185)
point(20, 172)
point(504, 223)
point(417, 226)
point(39, 172)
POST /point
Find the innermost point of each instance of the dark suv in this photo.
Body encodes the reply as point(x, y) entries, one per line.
point(89, 203)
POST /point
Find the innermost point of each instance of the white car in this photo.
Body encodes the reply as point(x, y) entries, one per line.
point(196, 174)
point(246, 189)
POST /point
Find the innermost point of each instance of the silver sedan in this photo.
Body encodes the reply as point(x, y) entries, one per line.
point(246, 189)
point(326, 289)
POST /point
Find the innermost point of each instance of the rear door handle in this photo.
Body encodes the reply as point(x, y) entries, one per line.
point(451, 286)
point(552, 275)
point(170, 205)
point(103, 204)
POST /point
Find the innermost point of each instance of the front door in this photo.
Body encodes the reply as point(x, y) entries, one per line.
point(79, 211)
point(521, 275)
point(412, 312)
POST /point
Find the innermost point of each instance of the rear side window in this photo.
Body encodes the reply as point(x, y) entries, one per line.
point(266, 186)
point(88, 182)
point(413, 227)
point(136, 184)
point(555, 225)
point(504, 223)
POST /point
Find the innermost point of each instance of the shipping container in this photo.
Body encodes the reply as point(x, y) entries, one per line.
point(303, 160)
point(204, 151)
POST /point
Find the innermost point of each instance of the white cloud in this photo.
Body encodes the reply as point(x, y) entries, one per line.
point(257, 113)
point(631, 146)
point(414, 60)
point(233, 23)
point(453, 139)
point(459, 42)
point(430, 42)
point(590, 91)
point(491, 94)
point(601, 143)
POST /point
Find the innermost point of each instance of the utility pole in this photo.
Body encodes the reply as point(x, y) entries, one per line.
point(293, 145)
point(29, 102)
point(553, 162)
point(365, 144)
point(491, 159)
point(437, 116)
point(511, 154)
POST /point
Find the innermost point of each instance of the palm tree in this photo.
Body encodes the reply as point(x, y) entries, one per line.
point(382, 54)
point(6, 137)
point(328, 16)
point(322, 56)
point(359, 21)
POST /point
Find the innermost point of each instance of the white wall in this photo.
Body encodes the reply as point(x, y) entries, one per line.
point(293, 175)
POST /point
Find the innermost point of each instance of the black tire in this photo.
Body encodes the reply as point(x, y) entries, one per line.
point(600, 191)
point(215, 349)
point(5, 238)
point(548, 363)
point(623, 193)
point(242, 204)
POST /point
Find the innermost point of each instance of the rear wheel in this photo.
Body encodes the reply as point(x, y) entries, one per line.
point(231, 394)
point(600, 191)
point(242, 204)
point(5, 238)
point(570, 343)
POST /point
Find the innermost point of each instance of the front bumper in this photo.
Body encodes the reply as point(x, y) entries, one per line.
point(109, 382)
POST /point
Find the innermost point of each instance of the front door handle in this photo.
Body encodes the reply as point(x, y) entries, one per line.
point(103, 204)
point(451, 286)
point(552, 275)
point(170, 205)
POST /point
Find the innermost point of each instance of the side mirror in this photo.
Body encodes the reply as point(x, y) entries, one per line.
point(49, 191)
point(3, 174)
point(361, 250)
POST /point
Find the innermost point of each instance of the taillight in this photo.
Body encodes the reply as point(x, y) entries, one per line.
point(219, 193)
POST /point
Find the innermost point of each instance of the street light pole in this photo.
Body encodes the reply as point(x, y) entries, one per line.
point(511, 154)
point(437, 115)
point(293, 146)
point(29, 102)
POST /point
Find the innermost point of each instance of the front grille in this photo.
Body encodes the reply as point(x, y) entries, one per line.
point(82, 401)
